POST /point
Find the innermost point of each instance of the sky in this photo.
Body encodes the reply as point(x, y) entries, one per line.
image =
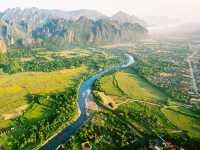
point(184, 9)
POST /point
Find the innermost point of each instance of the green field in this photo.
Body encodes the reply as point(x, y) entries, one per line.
point(128, 85)
point(145, 117)
point(132, 86)
point(5, 123)
point(109, 85)
point(184, 121)
point(14, 88)
point(154, 110)
point(47, 100)
point(135, 87)
point(37, 112)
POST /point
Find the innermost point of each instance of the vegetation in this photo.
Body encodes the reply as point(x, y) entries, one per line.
point(129, 85)
point(105, 131)
point(143, 117)
point(14, 88)
point(39, 91)
point(164, 65)
point(109, 85)
point(29, 134)
point(142, 106)
point(137, 88)
point(184, 121)
point(154, 102)
point(144, 97)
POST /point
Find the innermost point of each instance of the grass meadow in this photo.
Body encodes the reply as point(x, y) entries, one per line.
point(130, 85)
point(183, 121)
point(14, 88)
point(168, 115)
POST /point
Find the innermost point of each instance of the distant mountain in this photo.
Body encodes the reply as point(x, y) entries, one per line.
point(19, 27)
point(90, 14)
point(2, 42)
point(30, 18)
point(36, 16)
point(87, 31)
point(1, 14)
point(124, 18)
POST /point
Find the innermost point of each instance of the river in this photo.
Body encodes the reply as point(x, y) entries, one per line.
point(85, 91)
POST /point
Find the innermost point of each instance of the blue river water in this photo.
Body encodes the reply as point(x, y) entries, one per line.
point(85, 91)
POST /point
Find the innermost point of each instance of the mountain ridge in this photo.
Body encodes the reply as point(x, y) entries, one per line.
point(22, 27)
point(85, 30)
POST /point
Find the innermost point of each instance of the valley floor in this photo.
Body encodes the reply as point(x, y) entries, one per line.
point(128, 109)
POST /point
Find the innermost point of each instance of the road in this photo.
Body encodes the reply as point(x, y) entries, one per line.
point(139, 101)
point(194, 84)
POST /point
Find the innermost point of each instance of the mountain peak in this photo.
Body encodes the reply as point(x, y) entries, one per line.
point(123, 17)
point(121, 14)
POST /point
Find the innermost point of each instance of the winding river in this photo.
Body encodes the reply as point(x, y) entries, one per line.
point(85, 91)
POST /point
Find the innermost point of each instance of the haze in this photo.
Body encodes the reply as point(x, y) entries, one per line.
point(187, 10)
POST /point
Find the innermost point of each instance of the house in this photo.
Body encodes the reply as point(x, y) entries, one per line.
point(169, 145)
